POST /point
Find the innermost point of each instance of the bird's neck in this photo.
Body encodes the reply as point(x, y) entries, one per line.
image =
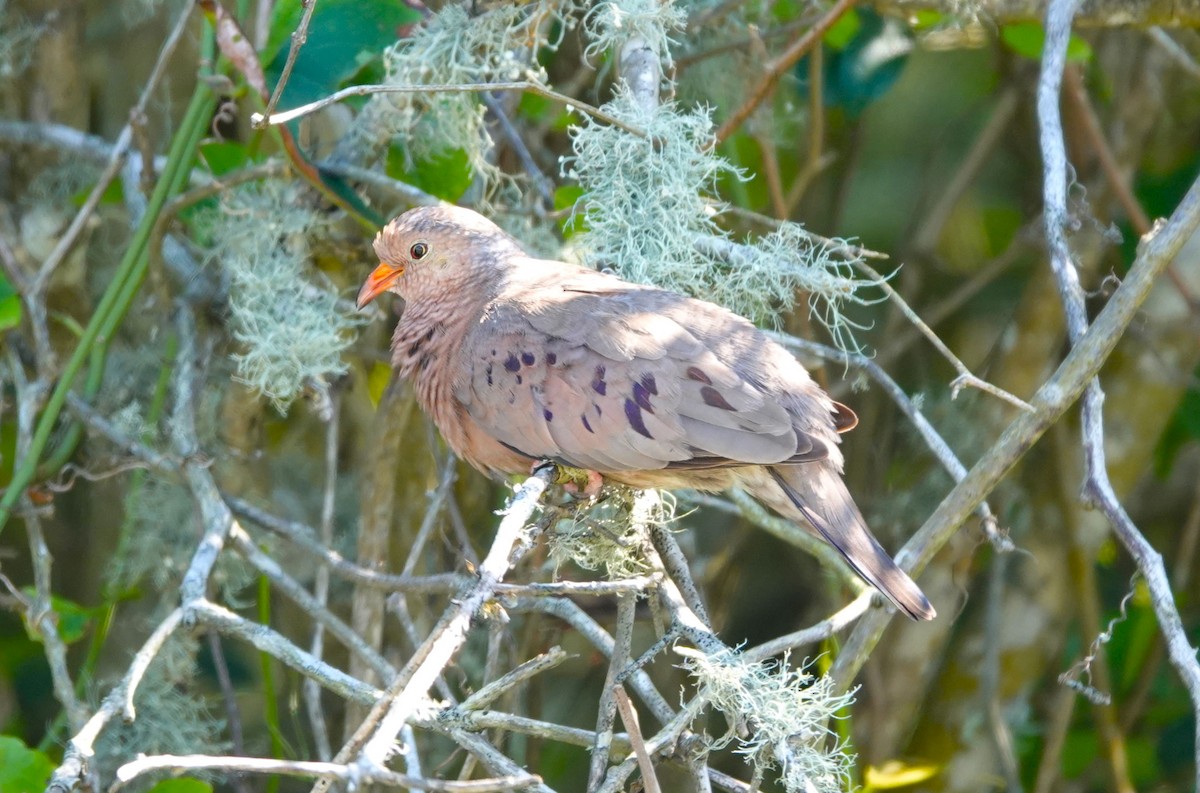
point(425, 345)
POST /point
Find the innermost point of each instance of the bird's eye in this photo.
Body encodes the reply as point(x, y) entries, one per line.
point(418, 250)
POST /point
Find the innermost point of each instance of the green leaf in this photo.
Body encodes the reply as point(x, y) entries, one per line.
point(10, 305)
point(927, 19)
point(895, 774)
point(21, 768)
point(343, 35)
point(114, 194)
point(566, 197)
point(544, 110)
point(842, 31)
point(1028, 39)
point(222, 157)
point(73, 619)
point(181, 786)
point(1183, 427)
point(1079, 750)
point(446, 175)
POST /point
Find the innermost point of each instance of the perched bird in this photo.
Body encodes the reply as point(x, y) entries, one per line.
point(518, 359)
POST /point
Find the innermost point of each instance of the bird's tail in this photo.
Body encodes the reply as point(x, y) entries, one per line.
point(817, 491)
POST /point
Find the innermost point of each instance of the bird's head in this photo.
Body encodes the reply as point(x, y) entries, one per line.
point(436, 246)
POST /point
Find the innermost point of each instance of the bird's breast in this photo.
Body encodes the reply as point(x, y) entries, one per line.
point(425, 351)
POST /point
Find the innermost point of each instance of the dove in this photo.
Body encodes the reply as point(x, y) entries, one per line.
point(519, 360)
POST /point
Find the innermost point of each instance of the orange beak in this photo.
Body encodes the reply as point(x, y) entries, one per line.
point(378, 281)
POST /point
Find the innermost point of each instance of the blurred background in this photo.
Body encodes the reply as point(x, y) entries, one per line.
point(908, 128)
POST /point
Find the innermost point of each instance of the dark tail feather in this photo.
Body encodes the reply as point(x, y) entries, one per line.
point(841, 525)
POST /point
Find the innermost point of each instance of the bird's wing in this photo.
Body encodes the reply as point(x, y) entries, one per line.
point(600, 374)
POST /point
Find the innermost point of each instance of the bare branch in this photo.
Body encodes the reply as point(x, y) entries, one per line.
point(455, 88)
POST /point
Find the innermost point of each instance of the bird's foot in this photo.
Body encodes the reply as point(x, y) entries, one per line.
point(592, 483)
point(580, 482)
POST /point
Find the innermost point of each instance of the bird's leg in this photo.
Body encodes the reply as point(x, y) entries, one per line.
point(592, 483)
point(576, 481)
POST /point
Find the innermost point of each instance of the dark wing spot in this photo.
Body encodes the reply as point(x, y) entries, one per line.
point(414, 348)
point(634, 414)
point(551, 359)
point(712, 397)
point(642, 397)
point(519, 381)
point(511, 363)
point(599, 412)
point(697, 374)
point(598, 384)
point(649, 384)
point(547, 415)
point(426, 359)
point(586, 425)
point(527, 358)
point(488, 371)
point(429, 334)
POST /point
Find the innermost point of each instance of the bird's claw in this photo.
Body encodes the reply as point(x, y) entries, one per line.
point(577, 481)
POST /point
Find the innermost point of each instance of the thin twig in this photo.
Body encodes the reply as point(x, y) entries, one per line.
point(1178, 55)
point(351, 775)
point(311, 606)
point(778, 67)
point(622, 639)
point(949, 197)
point(232, 713)
point(965, 377)
point(312, 694)
point(449, 636)
point(258, 120)
point(933, 440)
point(81, 748)
point(116, 156)
point(837, 621)
point(513, 678)
point(1057, 394)
point(541, 182)
point(630, 720)
point(1097, 488)
point(40, 616)
point(570, 612)
point(299, 37)
point(675, 565)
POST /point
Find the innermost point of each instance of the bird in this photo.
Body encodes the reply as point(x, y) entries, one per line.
point(520, 360)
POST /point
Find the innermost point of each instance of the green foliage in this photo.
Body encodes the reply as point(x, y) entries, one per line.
point(223, 157)
point(452, 47)
point(181, 786)
point(72, 619)
point(445, 174)
point(343, 36)
point(10, 305)
point(867, 58)
point(22, 769)
point(1184, 428)
point(1028, 39)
